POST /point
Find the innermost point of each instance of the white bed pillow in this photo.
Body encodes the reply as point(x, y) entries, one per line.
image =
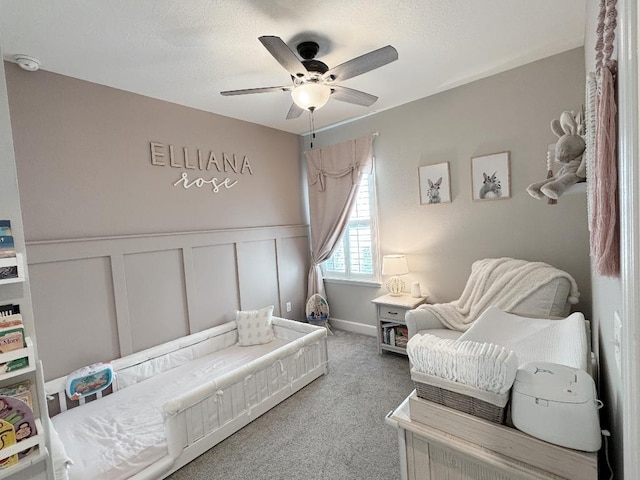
point(254, 326)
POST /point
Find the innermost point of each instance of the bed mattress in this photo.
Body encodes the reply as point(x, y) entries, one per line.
point(123, 433)
point(533, 339)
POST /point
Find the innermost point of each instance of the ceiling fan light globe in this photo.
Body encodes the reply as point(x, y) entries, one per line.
point(311, 96)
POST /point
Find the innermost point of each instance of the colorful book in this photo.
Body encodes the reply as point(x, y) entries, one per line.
point(5, 228)
point(20, 390)
point(8, 272)
point(7, 439)
point(7, 247)
point(20, 416)
point(8, 321)
point(12, 338)
point(9, 309)
point(8, 258)
point(8, 261)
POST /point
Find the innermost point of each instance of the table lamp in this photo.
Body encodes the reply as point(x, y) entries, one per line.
point(394, 265)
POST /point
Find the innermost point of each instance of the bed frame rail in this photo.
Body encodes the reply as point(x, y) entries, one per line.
point(227, 407)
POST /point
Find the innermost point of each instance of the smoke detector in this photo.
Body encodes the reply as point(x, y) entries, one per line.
point(27, 62)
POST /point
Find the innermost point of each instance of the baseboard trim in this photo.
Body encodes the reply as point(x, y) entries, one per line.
point(354, 327)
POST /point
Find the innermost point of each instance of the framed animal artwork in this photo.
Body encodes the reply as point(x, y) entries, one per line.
point(490, 177)
point(434, 184)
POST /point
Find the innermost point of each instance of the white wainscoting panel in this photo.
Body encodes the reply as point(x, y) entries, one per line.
point(258, 275)
point(156, 297)
point(215, 287)
point(292, 276)
point(98, 299)
point(75, 314)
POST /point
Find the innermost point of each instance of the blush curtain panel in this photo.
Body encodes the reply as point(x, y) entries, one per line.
point(604, 222)
point(333, 174)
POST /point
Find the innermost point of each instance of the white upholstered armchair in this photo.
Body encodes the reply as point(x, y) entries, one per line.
point(516, 286)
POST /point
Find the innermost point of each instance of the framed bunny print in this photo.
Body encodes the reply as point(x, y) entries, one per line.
point(490, 177)
point(435, 184)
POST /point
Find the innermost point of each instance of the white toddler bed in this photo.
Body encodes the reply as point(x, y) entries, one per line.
point(173, 402)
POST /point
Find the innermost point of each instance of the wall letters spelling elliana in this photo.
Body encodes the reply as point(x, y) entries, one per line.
point(168, 155)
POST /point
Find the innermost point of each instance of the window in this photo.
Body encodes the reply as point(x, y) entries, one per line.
point(356, 257)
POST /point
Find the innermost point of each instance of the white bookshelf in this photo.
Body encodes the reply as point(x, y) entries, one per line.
point(32, 371)
point(39, 453)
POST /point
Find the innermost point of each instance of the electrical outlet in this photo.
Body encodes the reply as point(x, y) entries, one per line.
point(617, 339)
point(288, 306)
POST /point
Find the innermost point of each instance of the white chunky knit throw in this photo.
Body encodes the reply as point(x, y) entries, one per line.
point(501, 282)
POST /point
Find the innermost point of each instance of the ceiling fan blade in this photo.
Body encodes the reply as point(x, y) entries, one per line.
point(350, 95)
point(294, 112)
point(362, 64)
point(283, 54)
point(257, 90)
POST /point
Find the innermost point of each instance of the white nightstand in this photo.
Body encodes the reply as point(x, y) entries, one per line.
point(392, 331)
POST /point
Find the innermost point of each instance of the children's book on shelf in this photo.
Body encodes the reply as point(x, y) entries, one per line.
point(17, 422)
point(10, 271)
point(7, 247)
point(9, 309)
point(402, 336)
point(12, 338)
point(8, 260)
point(11, 320)
point(7, 439)
point(20, 390)
point(5, 228)
point(389, 333)
point(395, 334)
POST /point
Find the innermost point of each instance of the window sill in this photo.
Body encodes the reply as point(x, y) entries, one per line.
point(360, 283)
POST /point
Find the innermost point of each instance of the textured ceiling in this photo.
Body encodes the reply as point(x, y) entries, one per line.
point(186, 52)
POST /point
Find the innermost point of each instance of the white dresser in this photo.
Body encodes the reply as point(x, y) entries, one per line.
point(439, 443)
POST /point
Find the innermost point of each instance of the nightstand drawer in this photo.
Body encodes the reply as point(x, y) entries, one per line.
point(392, 313)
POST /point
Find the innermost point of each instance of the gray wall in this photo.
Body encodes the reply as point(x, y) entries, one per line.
point(84, 163)
point(120, 258)
point(506, 112)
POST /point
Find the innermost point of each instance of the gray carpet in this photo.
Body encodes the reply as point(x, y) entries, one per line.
point(333, 429)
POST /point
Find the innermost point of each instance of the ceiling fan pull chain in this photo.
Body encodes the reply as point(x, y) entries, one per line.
point(312, 127)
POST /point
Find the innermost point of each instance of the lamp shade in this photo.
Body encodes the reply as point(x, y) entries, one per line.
point(311, 96)
point(394, 265)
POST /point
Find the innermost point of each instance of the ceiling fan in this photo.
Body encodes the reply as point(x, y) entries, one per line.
point(313, 82)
